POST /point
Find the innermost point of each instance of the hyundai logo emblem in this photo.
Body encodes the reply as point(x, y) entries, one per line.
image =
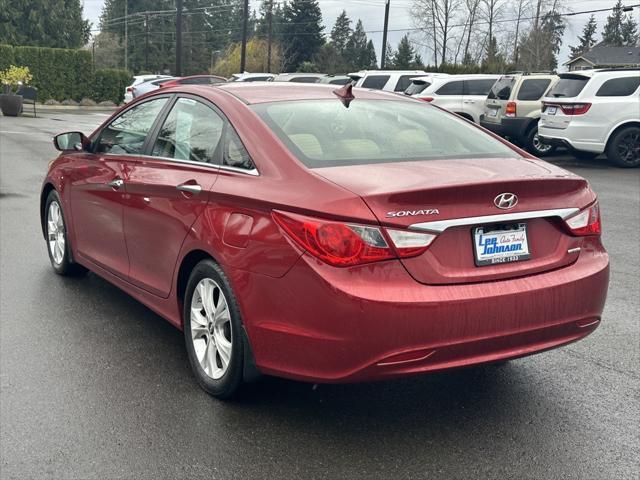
point(506, 201)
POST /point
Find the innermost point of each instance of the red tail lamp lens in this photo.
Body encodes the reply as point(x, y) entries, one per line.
point(575, 108)
point(426, 99)
point(510, 111)
point(587, 222)
point(335, 243)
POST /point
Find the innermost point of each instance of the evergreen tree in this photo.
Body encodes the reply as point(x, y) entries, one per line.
point(390, 56)
point(405, 55)
point(277, 20)
point(301, 32)
point(539, 48)
point(629, 32)
point(369, 59)
point(341, 32)
point(356, 53)
point(612, 34)
point(587, 40)
point(43, 23)
point(418, 63)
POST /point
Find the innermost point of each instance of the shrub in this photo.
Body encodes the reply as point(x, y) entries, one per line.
point(13, 77)
point(69, 102)
point(87, 102)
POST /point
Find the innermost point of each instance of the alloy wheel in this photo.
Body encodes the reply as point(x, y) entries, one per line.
point(55, 233)
point(629, 148)
point(539, 145)
point(211, 329)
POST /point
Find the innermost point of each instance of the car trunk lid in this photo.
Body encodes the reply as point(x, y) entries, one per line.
point(416, 194)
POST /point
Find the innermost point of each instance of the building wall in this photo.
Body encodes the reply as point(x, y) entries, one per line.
point(579, 64)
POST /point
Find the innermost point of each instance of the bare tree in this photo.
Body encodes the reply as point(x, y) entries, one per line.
point(436, 18)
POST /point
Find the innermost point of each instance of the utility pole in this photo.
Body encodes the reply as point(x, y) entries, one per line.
point(383, 57)
point(126, 35)
point(243, 49)
point(270, 16)
point(146, 41)
point(179, 38)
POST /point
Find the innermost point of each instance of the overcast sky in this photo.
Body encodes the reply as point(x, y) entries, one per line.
point(372, 14)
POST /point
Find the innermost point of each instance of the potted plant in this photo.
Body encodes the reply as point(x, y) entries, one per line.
point(11, 79)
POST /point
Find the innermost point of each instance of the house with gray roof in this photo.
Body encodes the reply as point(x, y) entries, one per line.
point(606, 56)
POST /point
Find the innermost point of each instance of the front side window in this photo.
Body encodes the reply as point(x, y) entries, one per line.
point(127, 133)
point(533, 89)
point(323, 133)
point(451, 88)
point(192, 131)
point(619, 87)
point(377, 82)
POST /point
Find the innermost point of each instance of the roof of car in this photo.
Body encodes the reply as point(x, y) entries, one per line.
point(262, 92)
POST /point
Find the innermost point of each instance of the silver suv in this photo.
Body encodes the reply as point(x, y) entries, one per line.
point(513, 108)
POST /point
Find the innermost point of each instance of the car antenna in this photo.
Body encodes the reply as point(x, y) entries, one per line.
point(345, 94)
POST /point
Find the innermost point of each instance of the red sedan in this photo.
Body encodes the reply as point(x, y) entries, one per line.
point(297, 231)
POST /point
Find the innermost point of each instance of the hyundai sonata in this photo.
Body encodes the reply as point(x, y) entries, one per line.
point(326, 235)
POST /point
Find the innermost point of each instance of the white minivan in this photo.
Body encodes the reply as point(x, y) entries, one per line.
point(593, 112)
point(461, 94)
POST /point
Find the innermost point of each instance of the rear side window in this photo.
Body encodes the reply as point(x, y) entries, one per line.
point(533, 89)
point(619, 87)
point(127, 133)
point(501, 90)
point(568, 86)
point(416, 87)
point(452, 88)
point(376, 82)
point(403, 82)
point(192, 131)
point(478, 87)
point(340, 81)
point(235, 155)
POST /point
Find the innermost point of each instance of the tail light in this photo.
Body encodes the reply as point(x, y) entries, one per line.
point(426, 99)
point(586, 222)
point(345, 244)
point(130, 89)
point(510, 111)
point(575, 108)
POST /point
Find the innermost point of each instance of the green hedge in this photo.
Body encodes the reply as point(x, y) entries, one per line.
point(109, 84)
point(62, 74)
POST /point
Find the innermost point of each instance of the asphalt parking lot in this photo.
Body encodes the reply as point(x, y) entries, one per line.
point(95, 385)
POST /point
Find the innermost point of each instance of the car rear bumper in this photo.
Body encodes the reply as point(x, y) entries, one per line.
point(565, 138)
point(513, 127)
point(373, 322)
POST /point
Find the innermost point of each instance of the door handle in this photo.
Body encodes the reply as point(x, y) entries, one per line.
point(116, 183)
point(193, 189)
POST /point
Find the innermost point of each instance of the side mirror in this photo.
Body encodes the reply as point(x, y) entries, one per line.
point(71, 141)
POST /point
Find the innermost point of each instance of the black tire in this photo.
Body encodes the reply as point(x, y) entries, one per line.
point(582, 155)
point(623, 148)
point(64, 265)
point(228, 384)
point(531, 143)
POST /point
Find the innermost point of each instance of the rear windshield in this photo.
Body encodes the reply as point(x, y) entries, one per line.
point(323, 133)
point(569, 86)
point(416, 87)
point(501, 90)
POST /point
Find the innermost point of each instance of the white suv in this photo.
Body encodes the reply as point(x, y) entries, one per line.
point(137, 80)
point(461, 94)
point(388, 80)
point(595, 111)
